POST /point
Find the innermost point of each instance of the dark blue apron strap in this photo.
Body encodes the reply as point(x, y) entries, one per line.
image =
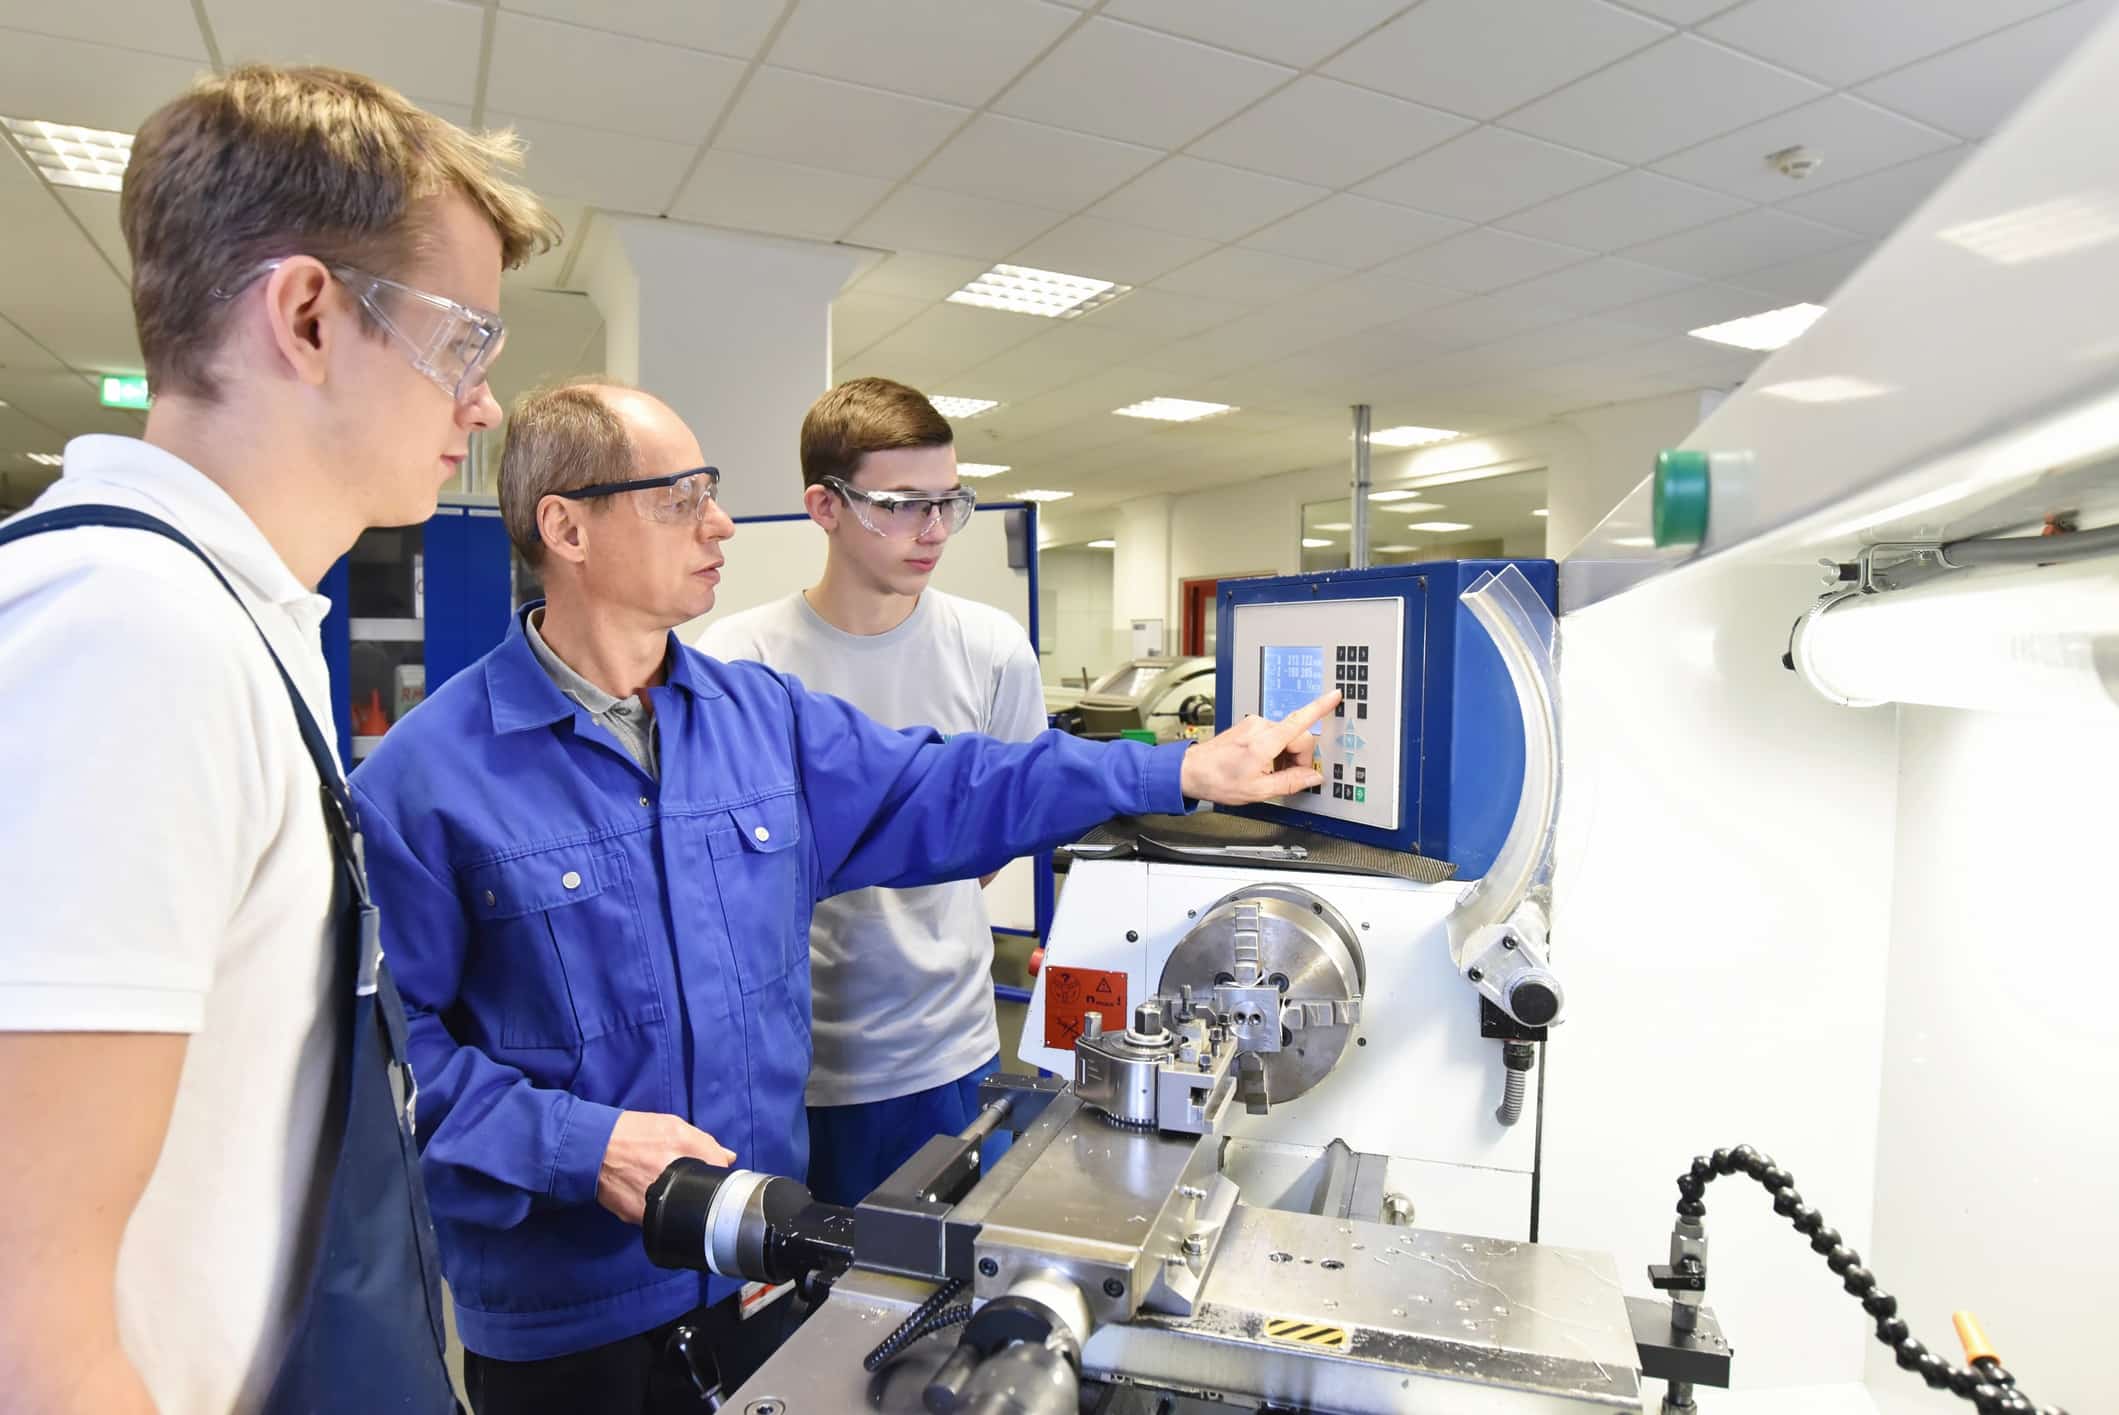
point(343, 1322)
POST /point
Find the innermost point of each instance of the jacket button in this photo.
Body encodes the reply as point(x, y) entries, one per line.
point(490, 900)
point(763, 834)
point(643, 800)
point(571, 879)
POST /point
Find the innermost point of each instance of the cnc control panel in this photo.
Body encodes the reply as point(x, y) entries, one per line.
point(1287, 654)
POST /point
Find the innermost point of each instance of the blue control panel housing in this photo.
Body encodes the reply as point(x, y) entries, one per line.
point(1461, 736)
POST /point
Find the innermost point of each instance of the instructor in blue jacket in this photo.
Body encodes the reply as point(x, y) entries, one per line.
point(596, 851)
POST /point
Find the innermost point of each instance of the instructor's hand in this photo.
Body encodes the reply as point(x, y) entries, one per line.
point(642, 1145)
point(1256, 760)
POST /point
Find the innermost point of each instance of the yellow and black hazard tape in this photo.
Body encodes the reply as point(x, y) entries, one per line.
point(1298, 1332)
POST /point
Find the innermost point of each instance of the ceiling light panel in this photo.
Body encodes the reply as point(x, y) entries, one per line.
point(1038, 494)
point(976, 470)
point(1411, 436)
point(1410, 508)
point(45, 459)
point(92, 158)
point(1103, 545)
point(1770, 330)
point(958, 409)
point(1438, 527)
point(1173, 410)
point(1019, 289)
point(1315, 543)
point(1832, 388)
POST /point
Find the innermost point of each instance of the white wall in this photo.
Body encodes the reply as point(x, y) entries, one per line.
point(1074, 614)
point(1998, 1141)
point(1141, 582)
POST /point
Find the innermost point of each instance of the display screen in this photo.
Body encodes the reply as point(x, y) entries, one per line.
point(1288, 679)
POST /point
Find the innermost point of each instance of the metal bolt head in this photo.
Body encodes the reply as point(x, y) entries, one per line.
point(989, 1268)
point(1133, 935)
point(1475, 975)
point(1397, 1209)
point(1113, 1288)
point(1195, 1244)
point(766, 1406)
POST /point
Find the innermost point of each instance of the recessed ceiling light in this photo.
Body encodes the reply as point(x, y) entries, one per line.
point(1411, 508)
point(45, 459)
point(94, 158)
point(1388, 496)
point(1635, 542)
point(1410, 436)
point(1315, 543)
point(1039, 495)
point(1832, 388)
point(1173, 410)
point(959, 409)
point(1438, 527)
point(1541, 511)
point(1018, 289)
point(1103, 545)
point(1396, 549)
point(1770, 330)
point(2050, 228)
point(981, 469)
point(1335, 525)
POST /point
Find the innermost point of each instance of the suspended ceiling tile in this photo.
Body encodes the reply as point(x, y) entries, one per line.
point(759, 194)
point(1970, 90)
point(616, 171)
point(840, 127)
point(1206, 199)
point(1354, 232)
point(733, 27)
point(920, 218)
point(1265, 29)
point(427, 49)
point(1634, 206)
point(1110, 250)
point(592, 78)
point(1033, 163)
point(1331, 133)
point(1121, 81)
point(1663, 99)
point(1485, 259)
point(1840, 43)
point(1488, 173)
point(957, 51)
point(1485, 57)
point(1746, 241)
point(1849, 137)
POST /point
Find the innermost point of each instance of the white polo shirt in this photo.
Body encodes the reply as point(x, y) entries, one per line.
point(164, 868)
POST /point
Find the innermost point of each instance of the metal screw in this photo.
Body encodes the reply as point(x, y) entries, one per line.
point(1475, 975)
point(1364, 925)
point(767, 1406)
point(1192, 1192)
point(1132, 935)
point(989, 1268)
point(1317, 908)
point(1195, 1244)
point(1191, 913)
point(1509, 944)
point(1114, 1288)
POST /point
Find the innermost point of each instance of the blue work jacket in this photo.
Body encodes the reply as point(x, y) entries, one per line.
point(574, 939)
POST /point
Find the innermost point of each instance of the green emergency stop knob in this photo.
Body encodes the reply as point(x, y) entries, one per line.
point(1682, 479)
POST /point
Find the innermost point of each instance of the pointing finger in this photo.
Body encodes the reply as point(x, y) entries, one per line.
point(1302, 719)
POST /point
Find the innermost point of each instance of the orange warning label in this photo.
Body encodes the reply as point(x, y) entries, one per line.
point(1071, 994)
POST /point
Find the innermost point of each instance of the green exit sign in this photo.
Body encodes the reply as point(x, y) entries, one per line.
point(124, 391)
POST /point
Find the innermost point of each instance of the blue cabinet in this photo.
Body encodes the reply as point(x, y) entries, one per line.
point(410, 607)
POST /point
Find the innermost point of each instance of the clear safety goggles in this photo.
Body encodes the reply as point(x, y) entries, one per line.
point(906, 515)
point(674, 500)
point(453, 344)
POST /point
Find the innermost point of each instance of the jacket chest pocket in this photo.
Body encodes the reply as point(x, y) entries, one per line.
point(765, 901)
point(559, 948)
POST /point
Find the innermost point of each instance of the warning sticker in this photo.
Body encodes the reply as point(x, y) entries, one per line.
point(1071, 994)
point(1299, 1332)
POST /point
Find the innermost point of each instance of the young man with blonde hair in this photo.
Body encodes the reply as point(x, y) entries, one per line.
point(208, 1202)
point(905, 1027)
point(604, 847)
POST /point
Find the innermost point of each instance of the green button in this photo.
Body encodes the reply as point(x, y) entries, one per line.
point(1361, 793)
point(1682, 479)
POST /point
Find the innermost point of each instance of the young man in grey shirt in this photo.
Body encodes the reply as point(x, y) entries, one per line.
point(904, 1018)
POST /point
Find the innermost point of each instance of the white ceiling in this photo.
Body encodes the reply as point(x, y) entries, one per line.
point(1469, 213)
